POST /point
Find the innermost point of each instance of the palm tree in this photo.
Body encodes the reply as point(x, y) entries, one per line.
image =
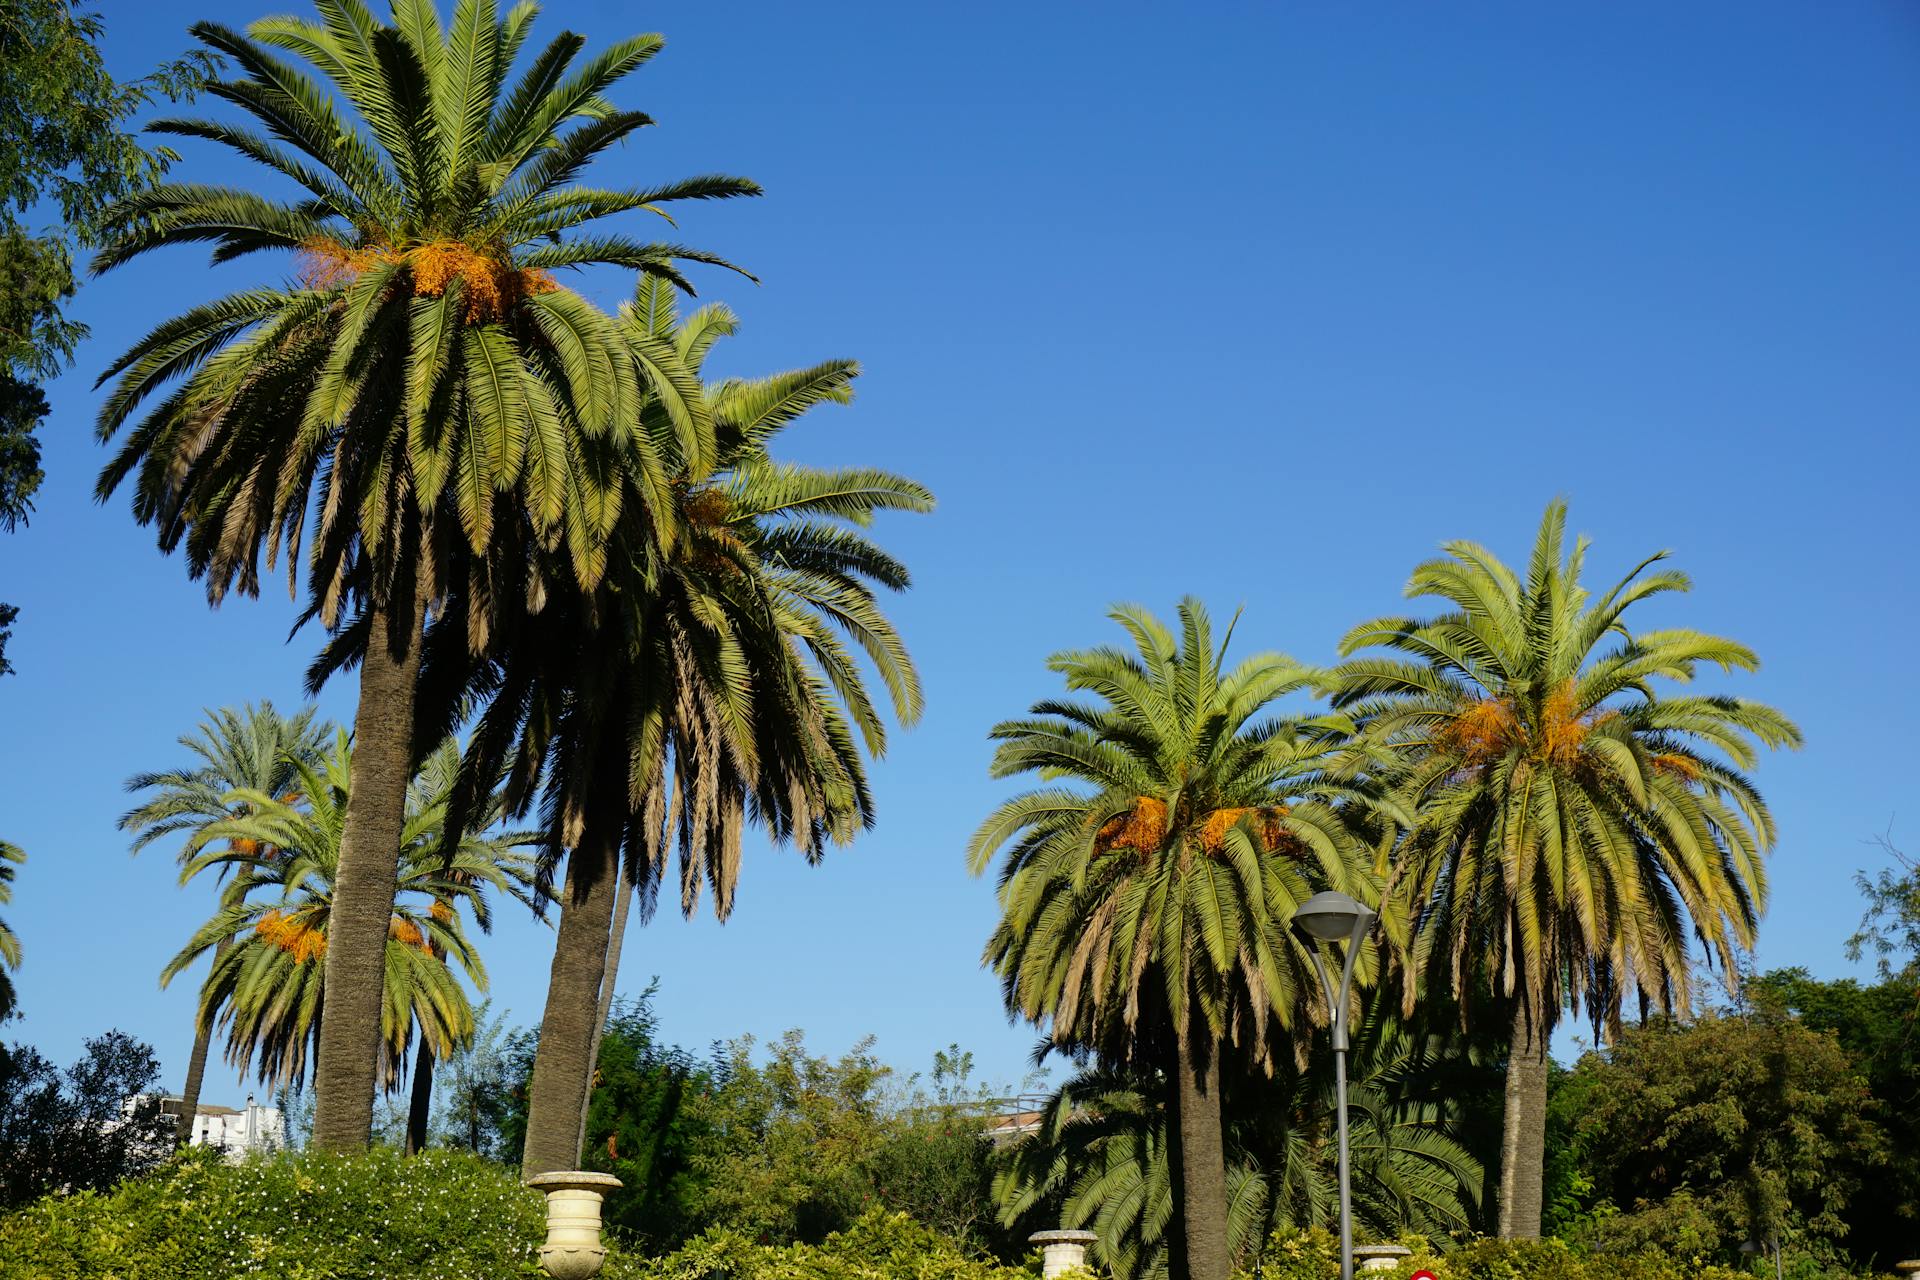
point(423, 399)
point(1100, 1158)
point(269, 988)
point(708, 681)
point(1573, 823)
point(1144, 912)
point(10, 856)
point(254, 749)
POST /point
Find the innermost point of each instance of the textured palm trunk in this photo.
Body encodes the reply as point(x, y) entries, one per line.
point(1523, 1134)
point(197, 1064)
point(622, 904)
point(363, 892)
point(420, 1102)
point(561, 1066)
point(1203, 1165)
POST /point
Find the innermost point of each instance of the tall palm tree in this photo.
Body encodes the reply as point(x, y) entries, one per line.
point(269, 988)
point(10, 856)
point(708, 682)
point(1573, 822)
point(422, 399)
point(255, 750)
point(1144, 911)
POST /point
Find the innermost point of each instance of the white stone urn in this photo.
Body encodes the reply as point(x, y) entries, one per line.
point(1062, 1251)
point(1379, 1257)
point(573, 1250)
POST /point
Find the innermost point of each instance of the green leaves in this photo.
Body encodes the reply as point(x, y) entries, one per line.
point(1572, 824)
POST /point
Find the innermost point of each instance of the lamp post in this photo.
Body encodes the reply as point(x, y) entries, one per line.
point(1329, 917)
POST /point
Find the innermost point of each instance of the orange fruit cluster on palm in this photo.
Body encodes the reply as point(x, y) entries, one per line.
point(1488, 728)
point(1144, 827)
point(492, 287)
point(302, 941)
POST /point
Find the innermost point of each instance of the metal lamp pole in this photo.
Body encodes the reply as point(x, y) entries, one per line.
point(1329, 917)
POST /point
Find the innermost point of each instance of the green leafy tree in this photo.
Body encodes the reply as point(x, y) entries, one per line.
point(1878, 1026)
point(423, 400)
point(1890, 930)
point(1575, 825)
point(84, 1129)
point(1144, 911)
point(253, 750)
point(708, 683)
point(64, 151)
point(1758, 1118)
point(10, 857)
point(477, 1082)
point(269, 988)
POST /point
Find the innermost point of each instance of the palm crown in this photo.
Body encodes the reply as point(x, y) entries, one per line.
point(268, 989)
point(721, 655)
point(1574, 823)
point(1148, 894)
point(427, 350)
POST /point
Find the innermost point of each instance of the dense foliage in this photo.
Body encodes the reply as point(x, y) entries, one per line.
point(440, 1215)
point(87, 1127)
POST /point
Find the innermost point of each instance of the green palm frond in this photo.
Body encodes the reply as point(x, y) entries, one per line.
point(1558, 799)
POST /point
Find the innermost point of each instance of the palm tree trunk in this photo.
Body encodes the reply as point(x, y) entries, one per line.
point(197, 1063)
point(1523, 1136)
point(420, 1104)
point(369, 863)
point(1203, 1163)
point(622, 903)
point(561, 1067)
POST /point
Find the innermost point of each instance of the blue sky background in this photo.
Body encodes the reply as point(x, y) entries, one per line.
point(1258, 302)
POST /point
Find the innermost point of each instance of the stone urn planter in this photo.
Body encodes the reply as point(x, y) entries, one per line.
point(1379, 1257)
point(1911, 1267)
point(573, 1250)
point(1062, 1251)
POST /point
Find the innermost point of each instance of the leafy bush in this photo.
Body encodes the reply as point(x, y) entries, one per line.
point(1315, 1255)
point(878, 1246)
point(313, 1216)
point(74, 1130)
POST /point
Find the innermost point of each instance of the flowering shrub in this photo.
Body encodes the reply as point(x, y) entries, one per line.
point(312, 1216)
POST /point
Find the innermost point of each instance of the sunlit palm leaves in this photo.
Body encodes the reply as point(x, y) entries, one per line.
point(1576, 824)
point(268, 990)
point(10, 856)
point(1157, 890)
point(427, 355)
point(717, 668)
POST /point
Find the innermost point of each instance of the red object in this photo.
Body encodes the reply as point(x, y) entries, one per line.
point(1423, 1275)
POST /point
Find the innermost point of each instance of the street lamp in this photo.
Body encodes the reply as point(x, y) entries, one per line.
point(1329, 917)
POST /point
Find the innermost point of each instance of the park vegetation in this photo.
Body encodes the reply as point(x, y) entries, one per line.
point(604, 634)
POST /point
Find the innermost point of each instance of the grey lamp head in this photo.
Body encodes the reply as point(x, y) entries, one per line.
point(1329, 916)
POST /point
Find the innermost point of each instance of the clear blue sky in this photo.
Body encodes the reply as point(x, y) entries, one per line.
point(1259, 302)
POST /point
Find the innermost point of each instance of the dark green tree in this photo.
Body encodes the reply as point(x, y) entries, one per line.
point(75, 1130)
point(1878, 1025)
point(1734, 1127)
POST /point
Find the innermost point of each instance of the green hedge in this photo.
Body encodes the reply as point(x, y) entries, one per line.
point(437, 1216)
